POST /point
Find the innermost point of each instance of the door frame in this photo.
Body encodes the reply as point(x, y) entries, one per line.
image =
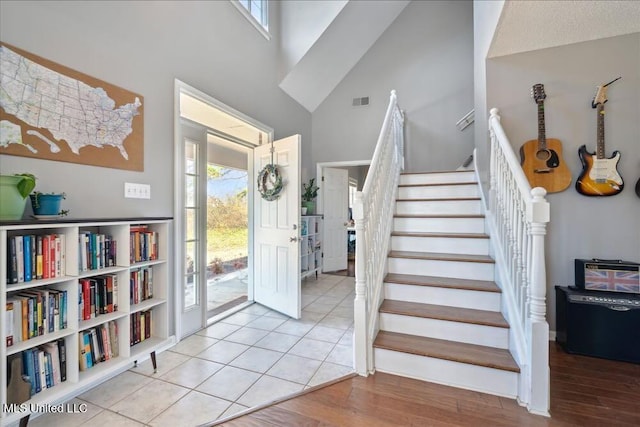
point(320, 171)
point(181, 87)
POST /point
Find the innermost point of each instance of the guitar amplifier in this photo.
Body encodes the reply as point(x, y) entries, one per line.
point(607, 275)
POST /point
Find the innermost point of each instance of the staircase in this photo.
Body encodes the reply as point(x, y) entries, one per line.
point(440, 318)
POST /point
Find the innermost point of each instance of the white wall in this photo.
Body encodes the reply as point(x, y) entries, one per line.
point(580, 227)
point(143, 46)
point(301, 23)
point(426, 55)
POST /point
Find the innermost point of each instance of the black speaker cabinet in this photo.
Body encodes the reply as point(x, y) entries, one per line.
point(599, 324)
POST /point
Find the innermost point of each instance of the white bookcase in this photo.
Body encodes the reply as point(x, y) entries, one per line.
point(310, 245)
point(78, 380)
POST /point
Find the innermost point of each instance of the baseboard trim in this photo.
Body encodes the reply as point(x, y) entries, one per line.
point(552, 335)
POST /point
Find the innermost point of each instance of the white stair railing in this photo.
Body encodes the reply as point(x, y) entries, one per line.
point(373, 215)
point(517, 218)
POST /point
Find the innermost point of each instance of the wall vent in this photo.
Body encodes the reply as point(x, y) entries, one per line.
point(360, 102)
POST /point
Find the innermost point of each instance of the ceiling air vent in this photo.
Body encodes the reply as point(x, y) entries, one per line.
point(360, 102)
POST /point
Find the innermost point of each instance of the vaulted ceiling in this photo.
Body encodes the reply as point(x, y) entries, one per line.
point(531, 25)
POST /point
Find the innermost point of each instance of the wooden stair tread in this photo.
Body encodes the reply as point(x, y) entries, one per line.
point(442, 257)
point(442, 312)
point(442, 282)
point(438, 234)
point(438, 216)
point(479, 355)
point(437, 184)
point(441, 199)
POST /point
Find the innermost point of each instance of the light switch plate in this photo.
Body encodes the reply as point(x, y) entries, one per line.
point(137, 191)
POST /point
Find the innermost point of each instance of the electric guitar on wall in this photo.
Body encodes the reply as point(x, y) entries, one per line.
point(599, 175)
point(541, 159)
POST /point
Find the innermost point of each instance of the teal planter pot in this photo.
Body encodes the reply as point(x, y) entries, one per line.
point(46, 204)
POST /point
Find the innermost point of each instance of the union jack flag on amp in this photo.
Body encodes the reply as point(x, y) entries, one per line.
point(612, 280)
point(608, 276)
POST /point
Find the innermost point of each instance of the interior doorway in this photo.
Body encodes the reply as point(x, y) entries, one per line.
point(338, 183)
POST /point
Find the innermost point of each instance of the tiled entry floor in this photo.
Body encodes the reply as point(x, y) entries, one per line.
point(252, 357)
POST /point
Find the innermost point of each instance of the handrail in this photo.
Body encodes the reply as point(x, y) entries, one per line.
point(517, 217)
point(373, 215)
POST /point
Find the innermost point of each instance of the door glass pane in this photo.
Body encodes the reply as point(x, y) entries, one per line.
point(190, 157)
point(191, 294)
point(190, 190)
point(190, 224)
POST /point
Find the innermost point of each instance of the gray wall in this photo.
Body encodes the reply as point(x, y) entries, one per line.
point(142, 47)
point(426, 55)
point(580, 227)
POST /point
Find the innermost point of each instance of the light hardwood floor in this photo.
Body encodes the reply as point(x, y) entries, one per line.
point(585, 391)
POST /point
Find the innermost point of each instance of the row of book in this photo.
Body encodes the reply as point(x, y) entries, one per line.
point(97, 295)
point(45, 366)
point(96, 251)
point(143, 244)
point(33, 313)
point(34, 257)
point(141, 285)
point(140, 327)
point(98, 345)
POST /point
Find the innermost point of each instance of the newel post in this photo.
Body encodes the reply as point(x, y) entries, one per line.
point(538, 328)
point(360, 340)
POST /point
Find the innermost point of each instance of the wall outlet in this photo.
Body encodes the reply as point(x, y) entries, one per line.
point(137, 191)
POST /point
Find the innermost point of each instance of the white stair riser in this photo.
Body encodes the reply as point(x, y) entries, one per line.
point(441, 225)
point(436, 191)
point(462, 375)
point(438, 207)
point(464, 298)
point(437, 178)
point(449, 245)
point(454, 269)
point(489, 336)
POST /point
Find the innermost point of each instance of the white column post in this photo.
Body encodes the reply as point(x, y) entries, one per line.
point(360, 329)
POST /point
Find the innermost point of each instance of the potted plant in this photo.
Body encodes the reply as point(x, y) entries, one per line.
point(309, 194)
point(47, 204)
point(14, 190)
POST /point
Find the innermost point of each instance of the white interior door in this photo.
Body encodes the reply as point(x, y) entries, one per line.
point(276, 231)
point(335, 200)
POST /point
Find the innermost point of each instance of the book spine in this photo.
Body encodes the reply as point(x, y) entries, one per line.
point(46, 253)
point(12, 262)
point(9, 322)
point(20, 256)
point(39, 257)
point(62, 350)
point(52, 255)
point(26, 245)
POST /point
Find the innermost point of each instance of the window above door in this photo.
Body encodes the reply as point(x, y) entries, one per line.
point(256, 12)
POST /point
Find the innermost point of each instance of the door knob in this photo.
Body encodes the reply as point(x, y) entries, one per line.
point(293, 239)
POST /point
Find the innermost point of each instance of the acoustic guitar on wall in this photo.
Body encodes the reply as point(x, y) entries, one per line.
point(599, 175)
point(638, 188)
point(541, 159)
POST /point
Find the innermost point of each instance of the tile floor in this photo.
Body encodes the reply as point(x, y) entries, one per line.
point(251, 357)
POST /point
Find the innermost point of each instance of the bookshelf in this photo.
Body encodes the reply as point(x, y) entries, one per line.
point(310, 245)
point(105, 290)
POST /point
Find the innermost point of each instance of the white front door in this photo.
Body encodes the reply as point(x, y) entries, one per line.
point(335, 200)
point(276, 231)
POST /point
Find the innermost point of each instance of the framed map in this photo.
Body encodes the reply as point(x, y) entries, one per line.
point(52, 112)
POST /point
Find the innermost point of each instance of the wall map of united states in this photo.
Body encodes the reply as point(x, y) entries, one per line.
point(52, 112)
